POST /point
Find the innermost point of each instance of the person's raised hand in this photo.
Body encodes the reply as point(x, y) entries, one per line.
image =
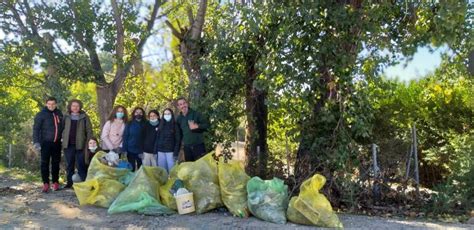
point(193, 125)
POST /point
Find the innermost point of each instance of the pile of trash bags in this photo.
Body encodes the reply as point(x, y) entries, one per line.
point(214, 184)
point(103, 183)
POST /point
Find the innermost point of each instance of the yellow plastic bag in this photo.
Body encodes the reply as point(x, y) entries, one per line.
point(99, 170)
point(99, 192)
point(166, 197)
point(313, 205)
point(142, 194)
point(294, 215)
point(200, 177)
point(233, 181)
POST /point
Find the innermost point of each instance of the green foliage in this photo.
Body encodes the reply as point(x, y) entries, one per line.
point(441, 107)
point(455, 194)
point(319, 63)
point(154, 89)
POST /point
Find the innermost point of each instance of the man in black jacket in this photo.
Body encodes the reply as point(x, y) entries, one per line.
point(47, 139)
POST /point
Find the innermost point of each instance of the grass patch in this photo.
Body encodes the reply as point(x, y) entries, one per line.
point(20, 174)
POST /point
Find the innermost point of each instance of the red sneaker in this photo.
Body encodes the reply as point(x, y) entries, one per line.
point(45, 187)
point(56, 186)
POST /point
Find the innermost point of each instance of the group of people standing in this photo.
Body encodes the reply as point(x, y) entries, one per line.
point(151, 140)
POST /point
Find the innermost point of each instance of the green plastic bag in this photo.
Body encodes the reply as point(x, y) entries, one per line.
point(99, 192)
point(233, 181)
point(98, 170)
point(268, 199)
point(200, 177)
point(311, 207)
point(142, 194)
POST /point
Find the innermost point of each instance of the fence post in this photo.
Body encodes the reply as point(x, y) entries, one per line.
point(376, 186)
point(287, 154)
point(10, 156)
point(374, 156)
point(410, 153)
point(415, 153)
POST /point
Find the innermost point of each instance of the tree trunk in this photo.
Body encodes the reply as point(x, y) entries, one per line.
point(105, 102)
point(306, 163)
point(191, 50)
point(256, 148)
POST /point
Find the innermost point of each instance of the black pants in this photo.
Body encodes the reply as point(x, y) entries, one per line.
point(194, 152)
point(75, 158)
point(134, 160)
point(50, 152)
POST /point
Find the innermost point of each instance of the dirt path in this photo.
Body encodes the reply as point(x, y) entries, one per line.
point(23, 206)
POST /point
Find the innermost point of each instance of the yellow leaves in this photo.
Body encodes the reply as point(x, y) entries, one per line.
point(448, 95)
point(423, 21)
point(445, 94)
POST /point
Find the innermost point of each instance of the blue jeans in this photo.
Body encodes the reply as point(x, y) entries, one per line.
point(75, 158)
point(166, 160)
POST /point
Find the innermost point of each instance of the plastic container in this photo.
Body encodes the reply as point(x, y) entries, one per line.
point(185, 203)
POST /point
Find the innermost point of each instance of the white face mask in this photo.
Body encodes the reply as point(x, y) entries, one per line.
point(92, 149)
point(154, 120)
point(167, 117)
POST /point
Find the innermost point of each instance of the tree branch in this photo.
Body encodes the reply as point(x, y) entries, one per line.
point(174, 31)
point(196, 27)
point(120, 35)
point(86, 43)
point(18, 19)
point(29, 19)
point(190, 16)
point(121, 75)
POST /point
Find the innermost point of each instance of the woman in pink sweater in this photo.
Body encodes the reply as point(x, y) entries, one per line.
point(112, 131)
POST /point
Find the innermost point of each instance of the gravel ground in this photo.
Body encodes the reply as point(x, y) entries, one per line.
point(22, 205)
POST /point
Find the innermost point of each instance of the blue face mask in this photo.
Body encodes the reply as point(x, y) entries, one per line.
point(167, 117)
point(154, 122)
point(119, 115)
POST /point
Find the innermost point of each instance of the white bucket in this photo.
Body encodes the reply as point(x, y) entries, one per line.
point(185, 203)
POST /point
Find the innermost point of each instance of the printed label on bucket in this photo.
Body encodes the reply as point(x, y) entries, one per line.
point(186, 204)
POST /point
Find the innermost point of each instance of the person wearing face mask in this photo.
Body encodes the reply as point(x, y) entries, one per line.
point(47, 140)
point(149, 135)
point(93, 148)
point(167, 141)
point(112, 132)
point(133, 138)
point(77, 131)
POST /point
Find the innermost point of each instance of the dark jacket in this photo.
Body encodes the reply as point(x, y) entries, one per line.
point(133, 137)
point(47, 126)
point(192, 137)
point(168, 138)
point(89, 155)
point(83, 130)
point(149, 132)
